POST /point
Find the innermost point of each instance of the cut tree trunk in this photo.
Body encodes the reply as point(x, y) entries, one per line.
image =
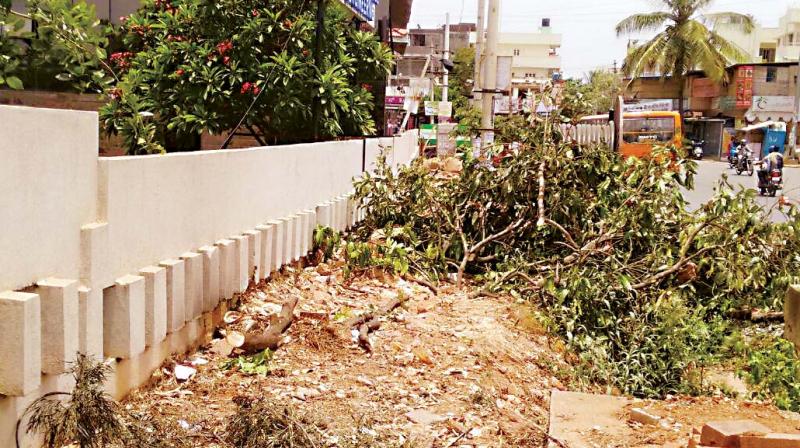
point(271, 337)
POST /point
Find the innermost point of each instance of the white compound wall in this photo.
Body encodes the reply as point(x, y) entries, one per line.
point(132, 259)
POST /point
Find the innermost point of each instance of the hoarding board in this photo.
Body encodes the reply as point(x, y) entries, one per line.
point(364, 8)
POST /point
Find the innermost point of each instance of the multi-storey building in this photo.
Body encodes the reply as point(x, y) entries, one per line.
point(535, 56)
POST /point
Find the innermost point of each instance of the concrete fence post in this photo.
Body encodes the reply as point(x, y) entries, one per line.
point(59, 306)
point(254, 255)
point(265, 252)
point(241, 274)
point(176, 294)
point(211, 270)
point(278, 243)
point(227, 271)
point(193, 271)
point(21, 344)
point(124, 317)
point(155, 304)
point(90, 322)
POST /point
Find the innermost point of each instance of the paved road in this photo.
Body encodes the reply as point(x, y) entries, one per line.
point(710, 173)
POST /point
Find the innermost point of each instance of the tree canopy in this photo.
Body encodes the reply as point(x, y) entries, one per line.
point(685, 40)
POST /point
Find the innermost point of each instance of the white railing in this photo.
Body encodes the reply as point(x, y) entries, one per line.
point(588, 134)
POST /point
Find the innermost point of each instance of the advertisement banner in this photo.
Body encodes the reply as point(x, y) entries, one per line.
point(744, 87)
point(773, 103)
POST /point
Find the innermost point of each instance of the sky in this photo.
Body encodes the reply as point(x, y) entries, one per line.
point(587, 26)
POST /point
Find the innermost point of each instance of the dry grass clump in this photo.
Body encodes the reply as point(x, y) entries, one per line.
point(266, 424)
point(87, 417)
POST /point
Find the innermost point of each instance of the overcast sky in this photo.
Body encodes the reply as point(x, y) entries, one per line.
point(587, 25)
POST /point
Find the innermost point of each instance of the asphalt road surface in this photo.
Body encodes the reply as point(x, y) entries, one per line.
point(711, 173)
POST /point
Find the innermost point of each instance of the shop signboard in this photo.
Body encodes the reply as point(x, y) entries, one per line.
point(744, 87)
point(364, 8)
point(650, 106)
point(773, 103)
point(395, 101)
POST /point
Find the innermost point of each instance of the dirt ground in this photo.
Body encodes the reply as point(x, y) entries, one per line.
point(444, 371)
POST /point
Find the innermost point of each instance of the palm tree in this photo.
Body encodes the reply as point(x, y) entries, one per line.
point(685, 41)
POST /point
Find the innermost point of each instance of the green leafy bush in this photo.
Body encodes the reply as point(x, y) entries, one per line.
point(773, 371)
point(197, 66)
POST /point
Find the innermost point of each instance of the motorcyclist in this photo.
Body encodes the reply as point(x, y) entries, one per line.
point(773, 161)
point(733, 150)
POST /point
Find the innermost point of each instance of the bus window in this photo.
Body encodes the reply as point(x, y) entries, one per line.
point(659, 130)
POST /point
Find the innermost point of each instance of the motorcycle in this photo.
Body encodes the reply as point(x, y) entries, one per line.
point(774, 182)
point(697, 149)
point(744, 161)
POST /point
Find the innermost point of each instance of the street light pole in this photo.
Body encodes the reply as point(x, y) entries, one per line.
point(793, 135)
point(446, 78)
point(479, 35)
point(490, 84)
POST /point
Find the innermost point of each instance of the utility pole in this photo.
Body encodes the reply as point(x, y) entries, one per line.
point(490, 84)
point(477, 83)
point(793, 135)
point(446, 78)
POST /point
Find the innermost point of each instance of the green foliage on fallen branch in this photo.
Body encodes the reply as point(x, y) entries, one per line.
point(773, 371)
point(258, 364)
point(636, 282)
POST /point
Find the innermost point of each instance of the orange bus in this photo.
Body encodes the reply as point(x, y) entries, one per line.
point(641, 131)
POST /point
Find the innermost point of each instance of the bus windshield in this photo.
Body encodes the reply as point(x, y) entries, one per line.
point(648, 130)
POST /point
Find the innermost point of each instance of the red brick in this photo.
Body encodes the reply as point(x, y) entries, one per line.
point(770, 441)
point(725, 434)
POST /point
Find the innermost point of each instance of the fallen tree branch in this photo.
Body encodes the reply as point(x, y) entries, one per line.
point(271, 337)
point(756, 315)
point(470, 251)
point(421, 281)
point(540, 202)
point(682, 261)
point(370, 322)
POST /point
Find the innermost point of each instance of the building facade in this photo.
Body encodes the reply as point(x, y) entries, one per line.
point(767, 44)
point(535, 56)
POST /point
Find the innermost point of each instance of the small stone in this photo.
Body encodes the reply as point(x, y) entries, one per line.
point(424, 417)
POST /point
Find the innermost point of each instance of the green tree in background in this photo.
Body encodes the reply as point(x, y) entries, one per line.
point(194, 66)
point(685, 41)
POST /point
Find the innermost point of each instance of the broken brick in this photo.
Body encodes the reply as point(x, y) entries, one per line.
point(641, 416)
point(726, 434)
point(770, 441)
